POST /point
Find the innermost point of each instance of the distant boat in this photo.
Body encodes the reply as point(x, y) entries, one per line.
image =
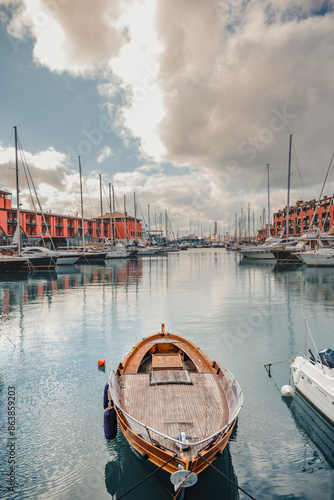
point(175, 407)
point(58, 258)
point(313, 377)
point(264, 252)
point(322, 257)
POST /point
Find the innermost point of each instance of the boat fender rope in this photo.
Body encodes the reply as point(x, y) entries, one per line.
point(219, 472)
point(147, 477)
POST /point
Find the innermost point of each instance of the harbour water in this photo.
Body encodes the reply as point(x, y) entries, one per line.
point(56, 326)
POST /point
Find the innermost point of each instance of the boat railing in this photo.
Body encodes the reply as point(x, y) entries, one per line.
point(234, 398)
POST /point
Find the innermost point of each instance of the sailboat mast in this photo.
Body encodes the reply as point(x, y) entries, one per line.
point(135, 209)
point(149, 224)
point(82, 214)
point(288, 201)
point(114, 216)
point(125, 222)
point(17, 194)
point(102, 239)
point(110, 216)
point(268, 202)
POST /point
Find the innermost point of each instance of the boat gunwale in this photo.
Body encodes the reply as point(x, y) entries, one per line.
point(191, 445)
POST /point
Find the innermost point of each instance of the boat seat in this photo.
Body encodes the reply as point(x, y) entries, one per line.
point(165, 377)
point(166, 362)
point(329, 357)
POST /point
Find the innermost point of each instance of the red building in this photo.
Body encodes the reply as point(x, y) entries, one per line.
point(301, 214)
point(64, 229)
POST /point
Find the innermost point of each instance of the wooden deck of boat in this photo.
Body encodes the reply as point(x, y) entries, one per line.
point(196, 405)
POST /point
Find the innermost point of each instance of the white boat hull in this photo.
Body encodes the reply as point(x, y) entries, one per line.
point(322, 258)
point(118, 254)
point(257, 254)
point(316, 383)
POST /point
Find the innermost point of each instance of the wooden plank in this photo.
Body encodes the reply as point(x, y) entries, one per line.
point(166, 362)
point(199, 410)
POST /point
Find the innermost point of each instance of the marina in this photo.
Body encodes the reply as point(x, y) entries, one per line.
point(56, 326)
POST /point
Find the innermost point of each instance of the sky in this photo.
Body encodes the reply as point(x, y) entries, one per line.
point(183, 102)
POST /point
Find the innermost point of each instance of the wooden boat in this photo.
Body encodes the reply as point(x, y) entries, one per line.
point(175, 407)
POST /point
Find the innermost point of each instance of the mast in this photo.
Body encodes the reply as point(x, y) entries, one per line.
point(102, 238)
point(135, 209)
point(18, 227)
point(125, 219)
point(149, 224)
point(110, 216)
point(288, 200)
point(268, 203)
point(114, 217)
point(82, 214)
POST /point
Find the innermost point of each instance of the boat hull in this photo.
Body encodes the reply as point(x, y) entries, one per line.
point(317, 259)
point(161, 392)
point(316, 384)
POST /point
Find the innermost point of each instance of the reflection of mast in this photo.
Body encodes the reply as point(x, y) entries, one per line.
point(82, 214)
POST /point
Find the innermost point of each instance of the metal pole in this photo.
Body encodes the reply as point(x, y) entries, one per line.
point(102, 239)
point(268, 203)
point(82, 214)
point(17, 194)
point(288, 201)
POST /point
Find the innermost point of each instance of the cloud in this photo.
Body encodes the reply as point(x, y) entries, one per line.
point(104, 154)
point(213, 87)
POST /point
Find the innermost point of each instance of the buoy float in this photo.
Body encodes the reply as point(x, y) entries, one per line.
point(287, 391)
point(101, 362)
point(110, 423)
point(105, 396)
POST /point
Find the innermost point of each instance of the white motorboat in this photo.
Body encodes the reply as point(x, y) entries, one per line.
point(264, 252)
point(57, 258)
point(118, 253)
point(322, 257)
point(313, 377)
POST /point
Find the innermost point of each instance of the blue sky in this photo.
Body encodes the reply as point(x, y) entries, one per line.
point(182, 101)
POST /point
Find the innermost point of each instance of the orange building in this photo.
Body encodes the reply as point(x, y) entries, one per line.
point(64, 229)
point(301, 214)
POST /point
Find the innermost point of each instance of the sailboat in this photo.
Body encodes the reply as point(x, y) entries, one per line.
point(21, 261)
point(88, 255)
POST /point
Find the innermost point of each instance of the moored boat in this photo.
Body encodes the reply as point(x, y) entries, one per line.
point(175, 407)
point(313, 377)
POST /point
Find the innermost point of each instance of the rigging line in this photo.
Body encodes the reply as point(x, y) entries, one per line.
point(226, 477)
point(301, 182)
point(28, 176)
point(147, 477)
point(7, 338)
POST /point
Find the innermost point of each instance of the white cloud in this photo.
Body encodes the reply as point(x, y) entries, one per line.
point(104, 154)
point(213, 86)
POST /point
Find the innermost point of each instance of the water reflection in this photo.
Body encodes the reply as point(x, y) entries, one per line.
point(22, 288)
point(118, 481)
point(313, 426)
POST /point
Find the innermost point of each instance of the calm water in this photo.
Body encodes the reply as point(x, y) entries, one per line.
point(243, 316)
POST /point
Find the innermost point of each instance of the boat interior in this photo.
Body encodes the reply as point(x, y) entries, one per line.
point(170, 387)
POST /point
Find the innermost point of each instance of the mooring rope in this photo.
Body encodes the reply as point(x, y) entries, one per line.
point(147, 477)
point(226, 477)
point(269, 365)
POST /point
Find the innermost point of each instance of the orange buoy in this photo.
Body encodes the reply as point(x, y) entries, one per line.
point(101, 362)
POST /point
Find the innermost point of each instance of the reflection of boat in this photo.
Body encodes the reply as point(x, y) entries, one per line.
point(316, 427)
point(313, 377)
point(174, 406)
